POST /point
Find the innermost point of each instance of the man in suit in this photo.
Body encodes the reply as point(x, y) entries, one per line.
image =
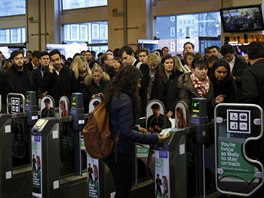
point(237, 65)
point(127, 55)
point(89, 58)
point(38, 73)
point(34, 63)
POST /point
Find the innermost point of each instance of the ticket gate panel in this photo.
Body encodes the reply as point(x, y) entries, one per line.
point(53, 184)
point(11, 175)
point(238, 145)
point(170, 166)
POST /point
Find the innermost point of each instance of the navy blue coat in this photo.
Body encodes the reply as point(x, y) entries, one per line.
point(122, 119)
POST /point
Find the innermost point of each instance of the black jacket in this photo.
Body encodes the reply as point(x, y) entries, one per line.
point(253, 84)
point(143, 91)
point(121, 119)
point(60, 85)
point(92, 89)
point(38, 75)
point(8, 84)
point(238, 69)
point(166, 92)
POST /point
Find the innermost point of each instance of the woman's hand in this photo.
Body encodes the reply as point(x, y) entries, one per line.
point(162, 138)
point(219, 99)
point(141, 129)
point(169, 114)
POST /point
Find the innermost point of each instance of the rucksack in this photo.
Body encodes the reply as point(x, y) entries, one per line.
point(97, 135)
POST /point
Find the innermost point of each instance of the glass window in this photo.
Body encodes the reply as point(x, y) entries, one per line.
point(83, 32)
point(23, 38)
point(74, 32)
point(187, 27)
point(67, 32)
point(14, 7)
point(95, 31)
point(14, 35)
point(91, 33)
point(4, 36)
point(103, 32)
point(76, 4)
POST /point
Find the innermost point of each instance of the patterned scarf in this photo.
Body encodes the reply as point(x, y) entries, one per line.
point(202, 87)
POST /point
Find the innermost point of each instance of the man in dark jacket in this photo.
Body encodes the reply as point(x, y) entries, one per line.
point(253, 92)
point(253, 77)
point(18, 79)
point(237, 64)
point(127, 54)
point(38, 73)
point(58, 81)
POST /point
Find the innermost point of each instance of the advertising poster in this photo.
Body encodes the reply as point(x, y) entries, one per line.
point(36, 166)
point(181, 115)
point(47, 107)
point(162, 176)
point(231, 163)
point(93, 177)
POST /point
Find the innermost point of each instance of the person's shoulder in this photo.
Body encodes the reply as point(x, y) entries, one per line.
point(121, 99)
point(184, 77)
point(124, 97)
point(240, 61)
point(161, 115)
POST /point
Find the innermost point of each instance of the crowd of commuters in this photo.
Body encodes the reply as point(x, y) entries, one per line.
point(128, 79)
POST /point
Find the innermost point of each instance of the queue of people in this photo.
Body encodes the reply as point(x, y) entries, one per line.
point(128, 79)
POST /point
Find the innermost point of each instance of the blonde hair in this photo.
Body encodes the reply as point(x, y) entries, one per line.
point(178, 63)
point(153, 58)
point(96, 68)
point(77, 63)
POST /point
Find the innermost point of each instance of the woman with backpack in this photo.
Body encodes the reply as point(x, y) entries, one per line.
point(123, 102)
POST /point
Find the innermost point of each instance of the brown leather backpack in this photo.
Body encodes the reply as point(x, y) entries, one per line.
point(97, 135)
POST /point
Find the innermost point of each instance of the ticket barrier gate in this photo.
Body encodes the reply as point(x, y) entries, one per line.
point(53, 176)
point(15, 160)
point(170, 165)
point(239, 149)
point(101, 183)
point(200, 149)
point(47, 181)
point(100, 179)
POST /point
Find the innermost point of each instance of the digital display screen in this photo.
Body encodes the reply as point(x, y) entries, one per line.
point(242, 19)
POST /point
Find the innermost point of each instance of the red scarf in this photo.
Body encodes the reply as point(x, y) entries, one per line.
point(202, 87)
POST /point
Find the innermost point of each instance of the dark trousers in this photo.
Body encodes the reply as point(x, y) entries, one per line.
point(121, 169)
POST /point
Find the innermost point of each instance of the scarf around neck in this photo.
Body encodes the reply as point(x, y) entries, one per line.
point(202, 87)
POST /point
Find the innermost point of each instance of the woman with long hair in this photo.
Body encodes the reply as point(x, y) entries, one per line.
point(223, 82)
point(164, 87)
point(81, 70)
point(122, 100)
point(95, 84)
